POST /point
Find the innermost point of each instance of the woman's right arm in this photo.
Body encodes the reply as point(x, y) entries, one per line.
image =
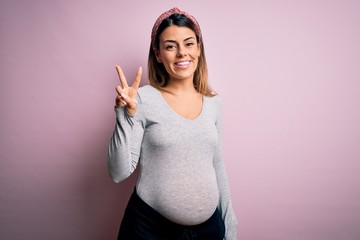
point(125, 143)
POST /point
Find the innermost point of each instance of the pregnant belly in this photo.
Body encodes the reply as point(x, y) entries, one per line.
point(186, 198)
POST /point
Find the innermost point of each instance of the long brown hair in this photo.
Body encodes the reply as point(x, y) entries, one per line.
point(159, 77)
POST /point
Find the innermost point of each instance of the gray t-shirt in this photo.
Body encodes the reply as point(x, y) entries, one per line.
point(182, 173)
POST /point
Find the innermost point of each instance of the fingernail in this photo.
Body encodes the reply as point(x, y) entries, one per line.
point(123, 95)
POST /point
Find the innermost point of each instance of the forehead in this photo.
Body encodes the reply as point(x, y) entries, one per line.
point(177, 33)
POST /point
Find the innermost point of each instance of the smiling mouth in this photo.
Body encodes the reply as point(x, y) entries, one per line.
point(182, 64)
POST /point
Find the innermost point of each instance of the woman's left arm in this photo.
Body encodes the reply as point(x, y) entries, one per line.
point(225, 205)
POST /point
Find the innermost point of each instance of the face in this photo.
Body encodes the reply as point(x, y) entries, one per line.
point(179, 52)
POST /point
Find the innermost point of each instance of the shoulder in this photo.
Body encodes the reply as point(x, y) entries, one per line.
point(147, 93)
point(214, 101)
point(146, 90)
point(212, 106)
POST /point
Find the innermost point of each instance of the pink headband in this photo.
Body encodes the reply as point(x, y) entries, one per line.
point(168, 14)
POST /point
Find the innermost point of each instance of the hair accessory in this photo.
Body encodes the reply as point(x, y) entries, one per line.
point(168, 14)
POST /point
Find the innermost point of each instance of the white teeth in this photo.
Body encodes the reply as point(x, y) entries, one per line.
point(182, 63)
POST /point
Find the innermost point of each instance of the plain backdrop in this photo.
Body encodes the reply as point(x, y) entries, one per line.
point(288, 75)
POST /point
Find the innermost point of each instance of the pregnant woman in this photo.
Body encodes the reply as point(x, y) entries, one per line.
point(172, 129)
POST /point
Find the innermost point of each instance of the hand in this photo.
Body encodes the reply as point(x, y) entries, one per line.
point(127, 95)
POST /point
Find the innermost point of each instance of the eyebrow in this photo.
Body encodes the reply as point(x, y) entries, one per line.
point(173, 41)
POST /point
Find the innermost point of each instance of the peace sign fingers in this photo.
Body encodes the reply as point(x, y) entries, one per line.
point(137, 79)
point(127, 95)
point(121, 77)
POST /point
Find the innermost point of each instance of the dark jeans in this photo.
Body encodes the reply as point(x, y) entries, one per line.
point(142, 222)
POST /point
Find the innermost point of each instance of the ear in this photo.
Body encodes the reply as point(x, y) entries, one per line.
point(199, 49)
point(158, 56)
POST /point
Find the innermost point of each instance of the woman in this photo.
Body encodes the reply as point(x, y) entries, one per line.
point(172, 127)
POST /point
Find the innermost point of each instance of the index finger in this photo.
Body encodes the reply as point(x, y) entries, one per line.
point(137, 80)
point(121, 76)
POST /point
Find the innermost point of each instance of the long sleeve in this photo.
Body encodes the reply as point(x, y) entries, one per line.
point(181, 159)
point(125, 144)
point(225, 205)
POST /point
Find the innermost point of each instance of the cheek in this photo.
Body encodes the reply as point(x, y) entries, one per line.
point(196, 53)
point(166, 62)
point(167, 59)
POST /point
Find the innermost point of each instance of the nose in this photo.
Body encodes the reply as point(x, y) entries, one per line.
point(181, 51)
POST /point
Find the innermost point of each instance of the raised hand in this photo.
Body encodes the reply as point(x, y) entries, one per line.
point(126, 94)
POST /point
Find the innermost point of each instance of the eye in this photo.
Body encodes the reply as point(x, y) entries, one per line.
point(189, 44)
point(170, 47)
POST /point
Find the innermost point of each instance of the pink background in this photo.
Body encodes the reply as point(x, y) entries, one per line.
point(288, 73)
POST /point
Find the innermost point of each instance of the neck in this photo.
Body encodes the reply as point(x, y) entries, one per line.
point(180, 86)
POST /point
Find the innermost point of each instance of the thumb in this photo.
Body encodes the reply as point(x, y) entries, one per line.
point(131, 103)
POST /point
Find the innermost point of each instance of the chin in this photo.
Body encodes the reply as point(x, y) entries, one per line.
point(184, 74)
point(182, 77)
